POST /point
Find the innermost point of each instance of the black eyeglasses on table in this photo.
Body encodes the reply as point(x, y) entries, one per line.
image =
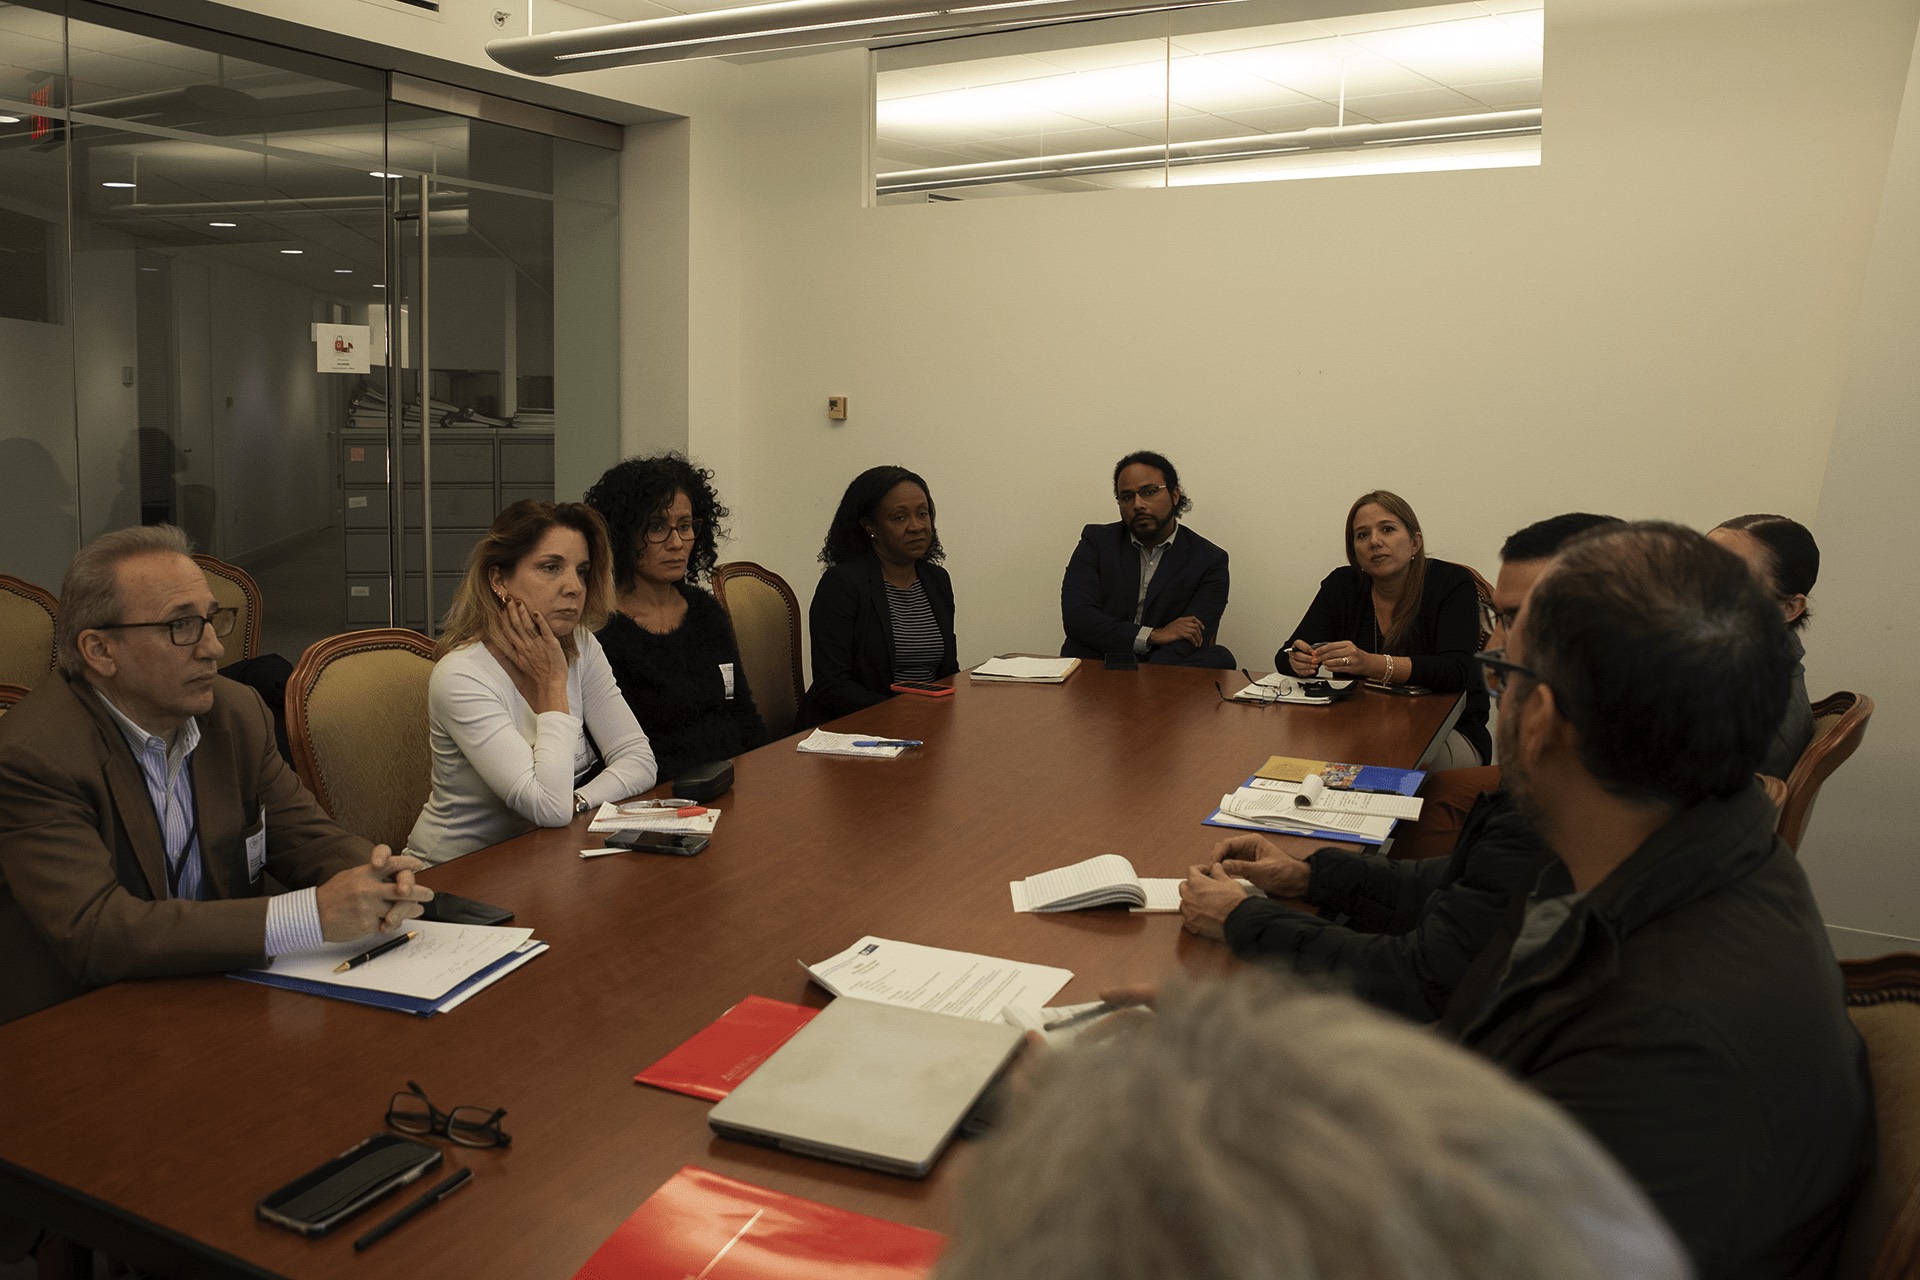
point(410, 1112)
point(183, 631)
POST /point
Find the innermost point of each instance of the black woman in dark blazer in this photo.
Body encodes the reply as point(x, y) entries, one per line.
point(884, 608)
point(1393, 616)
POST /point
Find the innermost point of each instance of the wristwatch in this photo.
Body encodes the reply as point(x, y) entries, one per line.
point(580, 803)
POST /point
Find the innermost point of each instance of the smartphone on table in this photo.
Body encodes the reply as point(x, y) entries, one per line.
point(321, 1199)
point(924, 688)
point(682, 843)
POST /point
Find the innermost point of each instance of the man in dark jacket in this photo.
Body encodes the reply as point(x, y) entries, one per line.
point(1412, 927)
point(1148, 585)
point(1668, 979)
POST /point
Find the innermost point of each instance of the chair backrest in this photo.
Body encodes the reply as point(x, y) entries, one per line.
point(1484, 590)
point(234, 588)
point(357, 721)
point(1883, 1231)
point(10, 694)
point(1839, 723)
point(766, 623)
point(26, 631)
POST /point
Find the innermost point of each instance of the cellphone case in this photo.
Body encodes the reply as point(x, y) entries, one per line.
point(704, 782)
point(451, 908)
point(944, 691)
point(318, 1201)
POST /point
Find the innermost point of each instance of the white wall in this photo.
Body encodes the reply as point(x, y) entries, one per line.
point(1659, 321)
point(1859, 848)
point(1654, 322)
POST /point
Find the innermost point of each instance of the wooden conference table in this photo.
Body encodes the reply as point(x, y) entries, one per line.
point(146, 1118)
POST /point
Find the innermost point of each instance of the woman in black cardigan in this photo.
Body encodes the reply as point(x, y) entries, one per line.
point(884, 608)
point(1393, 616)
point(669, 642)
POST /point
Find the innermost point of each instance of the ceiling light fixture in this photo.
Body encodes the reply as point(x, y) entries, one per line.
point(1213, 151)
point(789, 24)
point(379, 286)
point(375, 173)
point(119, 186)
point(343, 271)
point(9, 119)
point(223, 224)
point(293, 251)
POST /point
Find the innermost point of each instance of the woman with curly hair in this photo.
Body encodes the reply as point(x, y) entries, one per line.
point(884, 608)
point(670, 643)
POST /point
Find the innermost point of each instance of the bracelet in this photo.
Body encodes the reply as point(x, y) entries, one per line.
point(1389, 679)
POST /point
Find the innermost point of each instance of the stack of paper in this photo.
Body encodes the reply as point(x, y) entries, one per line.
point(822, 743)
point(1264, 805)
point(438, 970)
point(1025, 670)
point(1279, 687)
point(615, 817)
point(940, 981)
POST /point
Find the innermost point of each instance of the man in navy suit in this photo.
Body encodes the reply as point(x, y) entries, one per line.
point(1146, 585)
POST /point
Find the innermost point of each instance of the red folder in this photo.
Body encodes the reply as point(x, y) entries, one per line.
point(725, 1052)
point(718, 1228)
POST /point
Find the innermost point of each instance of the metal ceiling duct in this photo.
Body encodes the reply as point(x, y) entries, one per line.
point(789, 24)
point(1179, 155)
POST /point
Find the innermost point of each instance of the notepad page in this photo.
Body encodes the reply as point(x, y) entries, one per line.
point(1276, 808)
point(1051, 889)
point(1025, 668)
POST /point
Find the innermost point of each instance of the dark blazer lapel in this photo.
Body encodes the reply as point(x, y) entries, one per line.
point(128, 787)
point(1126, 573)
point(222, 819)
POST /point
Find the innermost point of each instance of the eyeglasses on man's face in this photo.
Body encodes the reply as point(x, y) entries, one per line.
point(184, 631)
point(1496, 671)
point(659, 530)
point(1146, 493)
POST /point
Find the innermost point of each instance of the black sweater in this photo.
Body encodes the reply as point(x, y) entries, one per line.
point(1417, 926)
point(674, 684)
point(1440, 643)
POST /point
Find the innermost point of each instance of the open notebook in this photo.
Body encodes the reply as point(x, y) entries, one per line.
point(1103, 881)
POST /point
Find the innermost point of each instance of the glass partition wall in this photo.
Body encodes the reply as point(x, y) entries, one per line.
point(222, 307)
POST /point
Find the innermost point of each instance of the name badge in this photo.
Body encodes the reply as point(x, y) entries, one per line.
point(726, 677)
point(257, 850)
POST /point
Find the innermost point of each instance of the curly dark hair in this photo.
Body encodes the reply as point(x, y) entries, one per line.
point(846, 539)
point(635, 491)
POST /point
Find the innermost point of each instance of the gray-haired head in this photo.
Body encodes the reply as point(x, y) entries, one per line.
point(1250, 1129)
point(90, 594)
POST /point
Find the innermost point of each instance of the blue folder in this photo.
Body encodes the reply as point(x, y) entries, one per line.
point(419, 1006)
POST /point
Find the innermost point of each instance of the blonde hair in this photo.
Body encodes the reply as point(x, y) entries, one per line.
point(1253, 1128)
point(476, 615)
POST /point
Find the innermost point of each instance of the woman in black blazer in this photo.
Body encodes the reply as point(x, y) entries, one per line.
point(884, 608)
point(1393, 616)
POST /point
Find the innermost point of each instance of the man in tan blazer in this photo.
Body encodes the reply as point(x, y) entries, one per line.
point(143, 803)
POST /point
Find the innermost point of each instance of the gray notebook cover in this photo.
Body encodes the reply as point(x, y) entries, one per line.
point(869, 1084)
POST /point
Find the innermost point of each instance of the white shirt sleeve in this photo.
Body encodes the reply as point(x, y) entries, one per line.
point(534, 779)
point(623, 743)
point(293, 922)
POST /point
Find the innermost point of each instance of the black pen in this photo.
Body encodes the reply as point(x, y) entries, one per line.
point(380, 950)
point(441, 1190)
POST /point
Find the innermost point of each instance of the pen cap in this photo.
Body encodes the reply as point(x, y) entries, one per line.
point(704, 782)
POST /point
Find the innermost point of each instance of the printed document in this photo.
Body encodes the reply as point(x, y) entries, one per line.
point(937, 980)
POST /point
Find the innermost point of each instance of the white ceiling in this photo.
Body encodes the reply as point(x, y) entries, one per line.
point(1455, 59)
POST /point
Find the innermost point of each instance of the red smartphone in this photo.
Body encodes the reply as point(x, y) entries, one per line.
point(922, 688)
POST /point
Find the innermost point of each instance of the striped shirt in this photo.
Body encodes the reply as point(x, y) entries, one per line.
point(918, 645)
point(293, 919)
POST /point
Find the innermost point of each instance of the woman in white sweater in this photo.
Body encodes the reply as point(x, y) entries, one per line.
point(521, 694)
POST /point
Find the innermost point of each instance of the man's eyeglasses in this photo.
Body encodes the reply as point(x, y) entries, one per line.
point(1495, 671)
point(410, 1112)
point(1146, 493)
point(1492, 619)
point(1263, 695)
point(184, 631)
point(657, 530)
